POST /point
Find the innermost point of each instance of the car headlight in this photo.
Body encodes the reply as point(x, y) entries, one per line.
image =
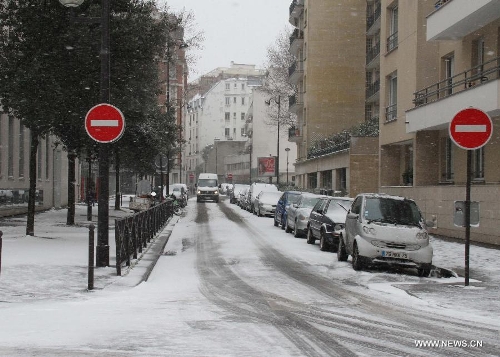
point(216, 192)
point(369, 230)
point(422, 235)
point(198, 192)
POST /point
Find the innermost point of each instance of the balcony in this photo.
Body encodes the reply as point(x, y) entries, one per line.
point(455, 19)
point(296, 41)
point(373, 21)
point(392, 42)
point(373, 56)
point(295, 103)
point(295, 72)
point(372, 91)
point(296, 8)
point(436, 105)
point(294, 134)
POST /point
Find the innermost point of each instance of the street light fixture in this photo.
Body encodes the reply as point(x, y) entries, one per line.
point(102, 248)
point(287, 150)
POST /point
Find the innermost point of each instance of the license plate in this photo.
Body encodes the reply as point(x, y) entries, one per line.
point(399, 255)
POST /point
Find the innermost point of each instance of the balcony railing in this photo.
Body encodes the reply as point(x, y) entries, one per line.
point(295, 5)
point(372, 18)
point(333, 144)
point(474, 76)
point(294, 133)
point(440, 3)
point(296, 35)
point(372, 88)
point(372, 53)
point(391, 112)
point(392, 41)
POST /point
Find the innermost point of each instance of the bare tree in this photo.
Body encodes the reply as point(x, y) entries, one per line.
point(277, 85)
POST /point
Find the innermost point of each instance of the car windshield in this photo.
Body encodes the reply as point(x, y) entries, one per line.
point(309, 202)
point(293, 198)
point(389, 210)
point(207, 182)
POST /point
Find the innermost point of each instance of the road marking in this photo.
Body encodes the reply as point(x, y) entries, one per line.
point(470, 128)
point(103, 122)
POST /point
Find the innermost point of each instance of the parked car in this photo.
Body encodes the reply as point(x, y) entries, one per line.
point(243, 197)
point(234, 192)
point(266, 202)
point(284, 202)
point(384, 229)
point(327, 220)
point(297, 216)
point(255, 189)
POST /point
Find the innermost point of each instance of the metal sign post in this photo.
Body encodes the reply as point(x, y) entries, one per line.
point(470, 129)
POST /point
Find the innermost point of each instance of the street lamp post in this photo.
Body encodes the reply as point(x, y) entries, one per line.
point(102, 248)
point(287, 150)
point(277, 164)
point(216, 140)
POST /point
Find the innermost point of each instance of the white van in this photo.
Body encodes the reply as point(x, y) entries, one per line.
point(207, 188)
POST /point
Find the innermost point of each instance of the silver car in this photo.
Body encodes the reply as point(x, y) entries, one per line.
point(298, 213)
point(383, 229)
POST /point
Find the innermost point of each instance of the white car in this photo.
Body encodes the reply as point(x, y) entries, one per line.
point(266, 202)
point(298, 213)
point(383, 229)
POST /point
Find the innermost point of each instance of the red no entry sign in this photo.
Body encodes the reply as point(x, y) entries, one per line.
point(471, 128)
point(105, 123)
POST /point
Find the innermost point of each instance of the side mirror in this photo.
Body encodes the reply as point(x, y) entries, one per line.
point(429, 224)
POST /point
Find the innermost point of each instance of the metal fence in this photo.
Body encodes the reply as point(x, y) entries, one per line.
point(133, 233)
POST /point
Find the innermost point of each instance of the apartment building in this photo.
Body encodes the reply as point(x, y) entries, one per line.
point(51, 169)
point(440, 57)
point(218, 113)
point(337, 46)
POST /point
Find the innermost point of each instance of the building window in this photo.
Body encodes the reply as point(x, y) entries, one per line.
point(478, 164)
point(242, 116)
point(227, 101)
point(234, 100)
point(242, 86)
point(392, 40)
point(227, 116)
point(21, 151)
point(243, 132)
point(449, 69)
point(242, 100)
point(228, 86)
point(47, 160)
point(39, 160)
point(226, 132)
point(234, 116)
point(342, 179)
point(235, 85)
point(10, 149)
point(234, 132)
point(449, 172)
point(391, 111)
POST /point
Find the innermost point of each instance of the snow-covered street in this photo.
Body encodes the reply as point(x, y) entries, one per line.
point(229, 283)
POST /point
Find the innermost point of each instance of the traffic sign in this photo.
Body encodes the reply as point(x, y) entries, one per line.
point(105, 123)
point(471, 128)
point(191, 175)
point(229, 176)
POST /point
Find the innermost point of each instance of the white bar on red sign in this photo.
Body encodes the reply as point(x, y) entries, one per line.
point(470, 128)
point(103, 122)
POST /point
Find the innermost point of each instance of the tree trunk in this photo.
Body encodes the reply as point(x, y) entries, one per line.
point(70, 217)
point(118, 194)
point(30, 222)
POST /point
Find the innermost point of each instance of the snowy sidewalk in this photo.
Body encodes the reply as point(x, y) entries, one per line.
point(53, 264)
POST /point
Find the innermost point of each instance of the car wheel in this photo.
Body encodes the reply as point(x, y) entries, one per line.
point(287, 227)
point(357, 264)
point(275, 221)
point(310, 237)
point(341, 251)
point(296, 233)
point(323, 245)
point(423, 272)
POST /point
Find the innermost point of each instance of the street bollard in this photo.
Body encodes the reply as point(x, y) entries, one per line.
point(1, 234)
point(91, 258)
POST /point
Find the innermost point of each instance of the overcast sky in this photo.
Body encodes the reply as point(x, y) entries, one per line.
point(235, 30)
